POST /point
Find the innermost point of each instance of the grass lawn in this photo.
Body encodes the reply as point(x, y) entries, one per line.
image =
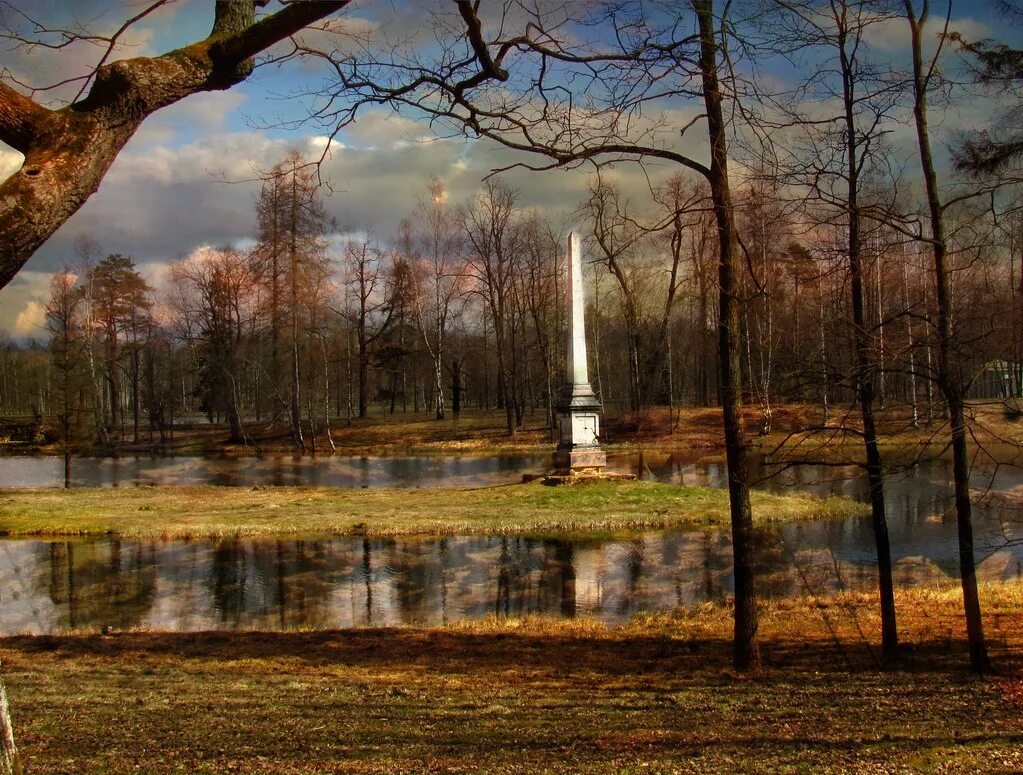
point(192, 512)
point(534, 696)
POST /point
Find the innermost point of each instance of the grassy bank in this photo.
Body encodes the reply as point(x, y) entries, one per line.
point(532, 696)
point(183, 512)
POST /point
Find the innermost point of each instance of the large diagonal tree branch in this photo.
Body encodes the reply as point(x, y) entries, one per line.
point(465, 88)
point(20, 118)
point(68, 151)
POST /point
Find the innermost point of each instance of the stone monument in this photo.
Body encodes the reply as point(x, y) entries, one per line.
point(578, 453)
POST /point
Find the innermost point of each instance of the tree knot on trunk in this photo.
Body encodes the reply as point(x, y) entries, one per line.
point(226, 74)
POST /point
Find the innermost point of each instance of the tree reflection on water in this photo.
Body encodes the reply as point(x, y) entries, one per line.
point(338, 582)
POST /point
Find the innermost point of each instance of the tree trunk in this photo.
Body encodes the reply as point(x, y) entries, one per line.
point(363, 381)
point(911, 346)
point(948, 377)
point(96, 385)
point(747, 653)
point(275, 312)
point(234, 417)
point(504, 389)
point(438, 377)
point(438, 356)
point(296, 374)
point(875, 475)
point(326, 396)
point(10, 762)
point(866, 369)
point(135, 375)
point(456, 388)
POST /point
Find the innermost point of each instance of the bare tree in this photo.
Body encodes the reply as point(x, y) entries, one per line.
point(432, 242)
point(290, 260)
point(372, 314)
point(268, 268)
point(63, 319)
point(617, 237)
point(949, 373)
point(88, 254)
point(119, 298)
point(677, 52)
point(644, 256)
point(493, 255)
point(215, 297)
point(540, 282)
point(832, 158)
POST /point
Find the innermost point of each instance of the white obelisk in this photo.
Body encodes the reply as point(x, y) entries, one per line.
point(578, 448)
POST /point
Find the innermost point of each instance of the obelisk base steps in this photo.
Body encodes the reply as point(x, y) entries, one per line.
point(578, 460)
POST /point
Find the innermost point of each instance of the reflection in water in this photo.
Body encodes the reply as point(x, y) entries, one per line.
point(344, 582)
point(114, 582)
point(679, 467)
point(279, 470)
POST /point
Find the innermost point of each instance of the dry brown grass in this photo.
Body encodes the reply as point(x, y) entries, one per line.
point(692, 428)
point(531, 696)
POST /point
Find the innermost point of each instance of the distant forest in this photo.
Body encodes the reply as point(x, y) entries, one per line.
point(464, 307)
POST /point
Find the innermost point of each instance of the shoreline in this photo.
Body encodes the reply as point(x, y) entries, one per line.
point(792, 428)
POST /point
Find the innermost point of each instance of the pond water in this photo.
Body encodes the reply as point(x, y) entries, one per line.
point(675, 467)
point(341, 582)
point(278, 470)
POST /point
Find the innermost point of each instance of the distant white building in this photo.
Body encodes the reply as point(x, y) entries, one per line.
point(998, 379)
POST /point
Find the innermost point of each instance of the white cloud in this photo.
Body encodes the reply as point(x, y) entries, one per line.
point(31, 319)
point(10, 161)
point(322, 143)
point(22, 311)
point(893, 35)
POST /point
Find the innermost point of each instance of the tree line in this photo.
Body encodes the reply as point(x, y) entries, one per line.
point(302, 330)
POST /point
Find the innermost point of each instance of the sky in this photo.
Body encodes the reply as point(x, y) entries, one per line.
point(187, 177)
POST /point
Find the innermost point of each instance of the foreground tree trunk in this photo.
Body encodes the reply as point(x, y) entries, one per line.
point(866, 366)
point(68, 151)
point(747, 652)
point(295, 408)
point(865, 389)
point(949, 375)
point(10, 763)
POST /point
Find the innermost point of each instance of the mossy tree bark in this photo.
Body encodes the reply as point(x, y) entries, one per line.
point(68, 151)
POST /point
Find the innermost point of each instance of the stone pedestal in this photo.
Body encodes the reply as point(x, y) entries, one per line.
point(578, 449)
point(579, 462)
